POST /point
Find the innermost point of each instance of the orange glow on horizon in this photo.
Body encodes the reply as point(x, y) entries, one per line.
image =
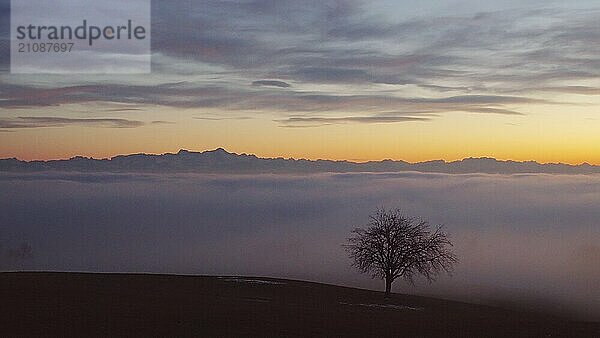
point(551, 137)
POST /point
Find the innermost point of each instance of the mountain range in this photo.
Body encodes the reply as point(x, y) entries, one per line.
point(222, 161)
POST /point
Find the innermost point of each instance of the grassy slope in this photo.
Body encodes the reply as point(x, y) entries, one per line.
point(75, 304)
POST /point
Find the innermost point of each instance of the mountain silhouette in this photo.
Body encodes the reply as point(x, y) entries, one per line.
point(221, 161)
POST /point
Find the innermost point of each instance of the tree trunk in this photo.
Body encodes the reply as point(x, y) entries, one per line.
point(388, 287)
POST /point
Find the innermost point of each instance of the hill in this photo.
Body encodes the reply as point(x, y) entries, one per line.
point(84, 305)
point(222, 161)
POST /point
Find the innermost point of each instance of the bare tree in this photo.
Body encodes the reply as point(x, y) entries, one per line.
point(393, 245)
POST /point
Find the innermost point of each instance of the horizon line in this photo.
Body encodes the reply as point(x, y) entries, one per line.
point(357, 161)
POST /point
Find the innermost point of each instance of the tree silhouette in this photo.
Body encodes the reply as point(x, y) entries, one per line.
point(393, 245)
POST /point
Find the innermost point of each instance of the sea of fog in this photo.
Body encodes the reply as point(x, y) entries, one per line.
point(527, 240)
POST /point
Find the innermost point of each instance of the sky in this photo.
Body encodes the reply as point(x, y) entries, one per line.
point(356, 80)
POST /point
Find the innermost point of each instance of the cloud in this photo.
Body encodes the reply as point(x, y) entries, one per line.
point(270, 101)
point(161, 122)
point(345, 57)
point(482, 99)
point(582, 90)
point(44, 122)
point(340, 75)
point(4, 35)
point(74, 177)
point(320, 121)
point(488, 110)
point(120, 110)
point(207, 118)
point(271, 83)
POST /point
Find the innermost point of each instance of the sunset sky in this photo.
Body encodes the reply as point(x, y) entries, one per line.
point(356, 80)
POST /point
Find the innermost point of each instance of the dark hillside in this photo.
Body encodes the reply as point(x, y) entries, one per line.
point(77, 304)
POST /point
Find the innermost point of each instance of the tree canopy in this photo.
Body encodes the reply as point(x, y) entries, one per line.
point(393, 246)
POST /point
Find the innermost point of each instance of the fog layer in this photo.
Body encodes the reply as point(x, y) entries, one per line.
point(529, 240)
